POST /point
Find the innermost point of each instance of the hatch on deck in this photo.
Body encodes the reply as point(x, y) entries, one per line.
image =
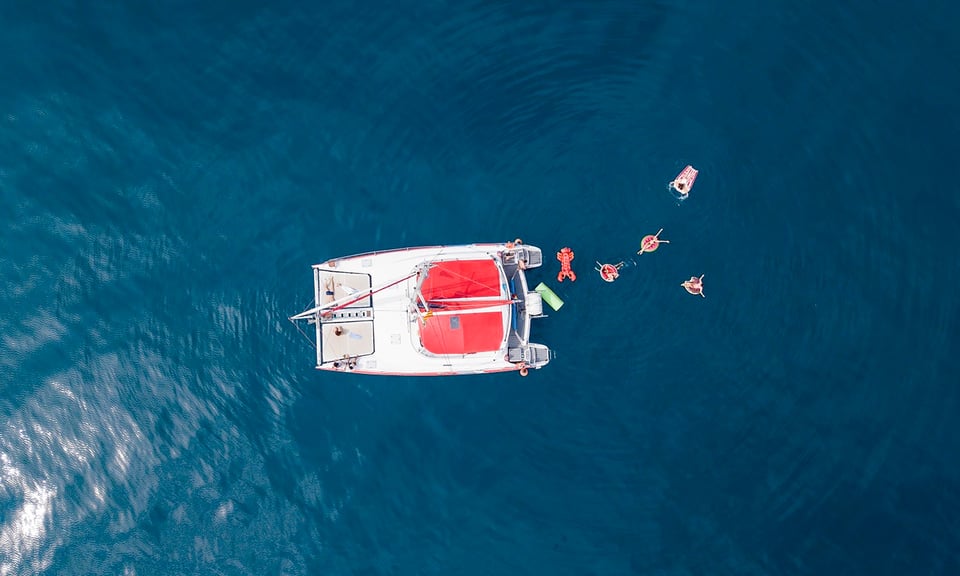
point(347, 332)
point(346, 340)
point(337, 285)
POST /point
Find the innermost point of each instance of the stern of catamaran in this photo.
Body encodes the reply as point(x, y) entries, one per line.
point(527, 305)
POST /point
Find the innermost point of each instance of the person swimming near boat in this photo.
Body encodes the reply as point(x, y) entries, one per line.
point(695, 286)
point(684, 181)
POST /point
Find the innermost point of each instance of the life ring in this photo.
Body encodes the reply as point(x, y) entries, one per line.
point(523, 369)
point(518, 242)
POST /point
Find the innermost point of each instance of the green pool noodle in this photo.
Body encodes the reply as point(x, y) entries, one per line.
point(549, 296)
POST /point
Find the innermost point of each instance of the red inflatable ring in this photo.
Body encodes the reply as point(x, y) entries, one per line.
point(609, 272)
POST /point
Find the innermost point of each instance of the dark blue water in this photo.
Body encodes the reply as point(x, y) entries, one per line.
point(168, 174)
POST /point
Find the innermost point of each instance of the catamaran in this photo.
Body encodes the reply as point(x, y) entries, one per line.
point(427, 311)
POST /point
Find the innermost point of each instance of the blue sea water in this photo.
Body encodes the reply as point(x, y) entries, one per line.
point(169, 172)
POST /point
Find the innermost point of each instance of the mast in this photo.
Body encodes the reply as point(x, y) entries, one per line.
point(473, 310)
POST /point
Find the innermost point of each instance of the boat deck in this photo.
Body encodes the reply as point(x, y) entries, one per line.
point(376, 327)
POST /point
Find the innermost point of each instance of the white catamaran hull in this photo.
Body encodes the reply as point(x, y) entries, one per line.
point(427, 311)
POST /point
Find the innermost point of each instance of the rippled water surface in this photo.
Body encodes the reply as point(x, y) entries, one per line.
point(168, 175)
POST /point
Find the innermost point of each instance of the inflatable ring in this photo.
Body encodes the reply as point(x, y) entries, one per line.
point(518, 241)
point(609, 272)
point(523, 370)
point(649, 243)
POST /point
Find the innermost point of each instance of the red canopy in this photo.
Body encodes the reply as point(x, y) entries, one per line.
point(463, 333)
point(460, 279)
point(466, 332)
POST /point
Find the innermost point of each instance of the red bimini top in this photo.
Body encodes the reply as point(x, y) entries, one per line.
point(470, 288)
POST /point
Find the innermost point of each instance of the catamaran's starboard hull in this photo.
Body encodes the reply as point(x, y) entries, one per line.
point(427, 311)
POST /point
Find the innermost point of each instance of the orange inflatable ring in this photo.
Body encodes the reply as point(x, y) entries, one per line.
point(523, 370)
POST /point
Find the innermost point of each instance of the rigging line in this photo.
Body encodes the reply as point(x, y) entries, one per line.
point(302, 333)
point(467, 299)
point(467, 307)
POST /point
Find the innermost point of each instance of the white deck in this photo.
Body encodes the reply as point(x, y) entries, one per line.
point(380, 332)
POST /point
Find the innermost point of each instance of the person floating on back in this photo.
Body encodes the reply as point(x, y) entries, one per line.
point(651, 242)
point(609, 272)
point(684, 181)
point(695, 285)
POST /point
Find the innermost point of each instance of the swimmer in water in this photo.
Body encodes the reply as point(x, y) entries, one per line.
point(695, 286)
